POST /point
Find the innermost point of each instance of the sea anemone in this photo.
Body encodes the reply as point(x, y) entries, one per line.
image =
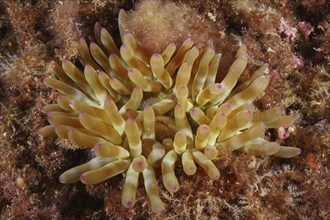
point(138, 113)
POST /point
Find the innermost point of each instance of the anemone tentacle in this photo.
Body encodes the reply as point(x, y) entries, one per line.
point(139, 113)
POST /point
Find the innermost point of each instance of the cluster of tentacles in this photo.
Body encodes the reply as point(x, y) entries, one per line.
point(139, 113)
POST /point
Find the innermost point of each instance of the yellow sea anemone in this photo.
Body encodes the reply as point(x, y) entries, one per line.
point(139, 113)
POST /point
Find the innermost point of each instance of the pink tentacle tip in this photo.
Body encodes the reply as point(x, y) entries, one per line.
point(64, 62)
point(71, 131)
point(81, 113)
point(49, 116)
point(82, 178)
point(130, 120)
point(82, 39)
point(182, 87)
point(128, 203)
point(139, 163)
point(87, 66)
point(191, 168)
point(179, 105)
point(162, 211)
point(218, 86)
point(221, 115)
point(108, 99)
point(193, 111)
point(228, 106)
point(299, 151)
point(97, 146)
point(186, 64)
point(204, 127)
point(126, 34)
point(61, 179)
point(56, 127)
point(45, 80)
point(175, 188)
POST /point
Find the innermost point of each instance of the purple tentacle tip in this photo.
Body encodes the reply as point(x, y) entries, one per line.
point(61, 179)
point(162, 211)
point(82, 178)
point(130, 120)
point(191, 168)
point(139, 163)
point(128, 203)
